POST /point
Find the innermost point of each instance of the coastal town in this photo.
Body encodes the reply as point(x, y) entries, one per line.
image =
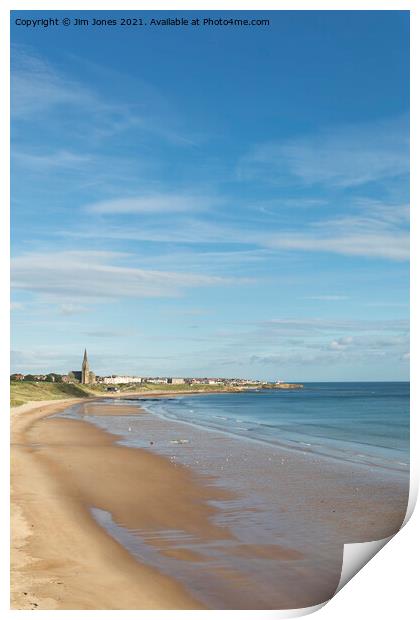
point(86, 376)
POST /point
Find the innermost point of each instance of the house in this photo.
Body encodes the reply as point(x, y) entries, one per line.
point(116, 379)
point(17, 376)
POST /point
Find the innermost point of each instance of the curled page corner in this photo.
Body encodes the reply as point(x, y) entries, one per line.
point(412, 499)
point(356, 556)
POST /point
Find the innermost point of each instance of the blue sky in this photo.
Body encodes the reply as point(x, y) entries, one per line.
point(212, 201)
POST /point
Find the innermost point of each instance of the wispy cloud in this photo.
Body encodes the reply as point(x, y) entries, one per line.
point(71, 309)
point(108, 333)
point(182, 229)
point(368, 245)
point(43, 359)
point(151, 204)
point(43, 162)
point(41, 89)
point(313, 326)
point(361, 348)
point(282, 343)
point(94, 276)
point(370, 231)
point(36, 86)
point(346, 156)
point(380, 233)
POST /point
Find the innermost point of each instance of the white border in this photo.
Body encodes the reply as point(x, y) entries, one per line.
point(386, 587)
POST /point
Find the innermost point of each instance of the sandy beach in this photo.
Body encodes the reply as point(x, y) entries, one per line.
point(68, 474)
point(61, 558)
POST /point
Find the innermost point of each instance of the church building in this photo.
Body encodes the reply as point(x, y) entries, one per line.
point(85, 376)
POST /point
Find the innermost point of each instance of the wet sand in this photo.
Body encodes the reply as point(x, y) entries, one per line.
point(293, 510)
point(61, 557)
point(163, 533)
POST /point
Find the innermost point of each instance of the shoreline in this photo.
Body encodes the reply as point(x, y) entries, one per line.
point(376, 465)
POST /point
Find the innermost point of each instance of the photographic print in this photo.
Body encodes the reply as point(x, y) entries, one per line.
point(210, 304)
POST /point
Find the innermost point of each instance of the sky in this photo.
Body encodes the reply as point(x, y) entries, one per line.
point(212, 201)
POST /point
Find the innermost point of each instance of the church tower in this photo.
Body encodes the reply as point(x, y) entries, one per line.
point(85, 370)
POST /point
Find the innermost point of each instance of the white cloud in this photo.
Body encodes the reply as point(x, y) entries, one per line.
point(361, 348)
point(151, 204)
point(71, 309)
point(341, 343)
point(39, 89)
point(51, 160)
point(175, 230)
point(90, 276)
point(380, 233)
point(346, 156)
point(315, 326)
point(43, 360)
point(374, 230)
point(36, 86)
point(394, 247)
point(107, 333)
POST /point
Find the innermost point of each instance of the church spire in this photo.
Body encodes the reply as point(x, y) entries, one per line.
point(85, 369)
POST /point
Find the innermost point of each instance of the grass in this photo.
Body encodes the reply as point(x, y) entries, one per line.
point(23, 391)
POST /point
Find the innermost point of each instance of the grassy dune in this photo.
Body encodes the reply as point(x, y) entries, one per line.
point(23, 391)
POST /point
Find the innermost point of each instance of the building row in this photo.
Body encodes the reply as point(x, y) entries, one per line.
point(121, 379)
point(87, 376)
point(51, 377)
point(124, 379)
point(75, 376)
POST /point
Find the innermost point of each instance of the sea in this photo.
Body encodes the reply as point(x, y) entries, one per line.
point(358, 422)
point(309, 470)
